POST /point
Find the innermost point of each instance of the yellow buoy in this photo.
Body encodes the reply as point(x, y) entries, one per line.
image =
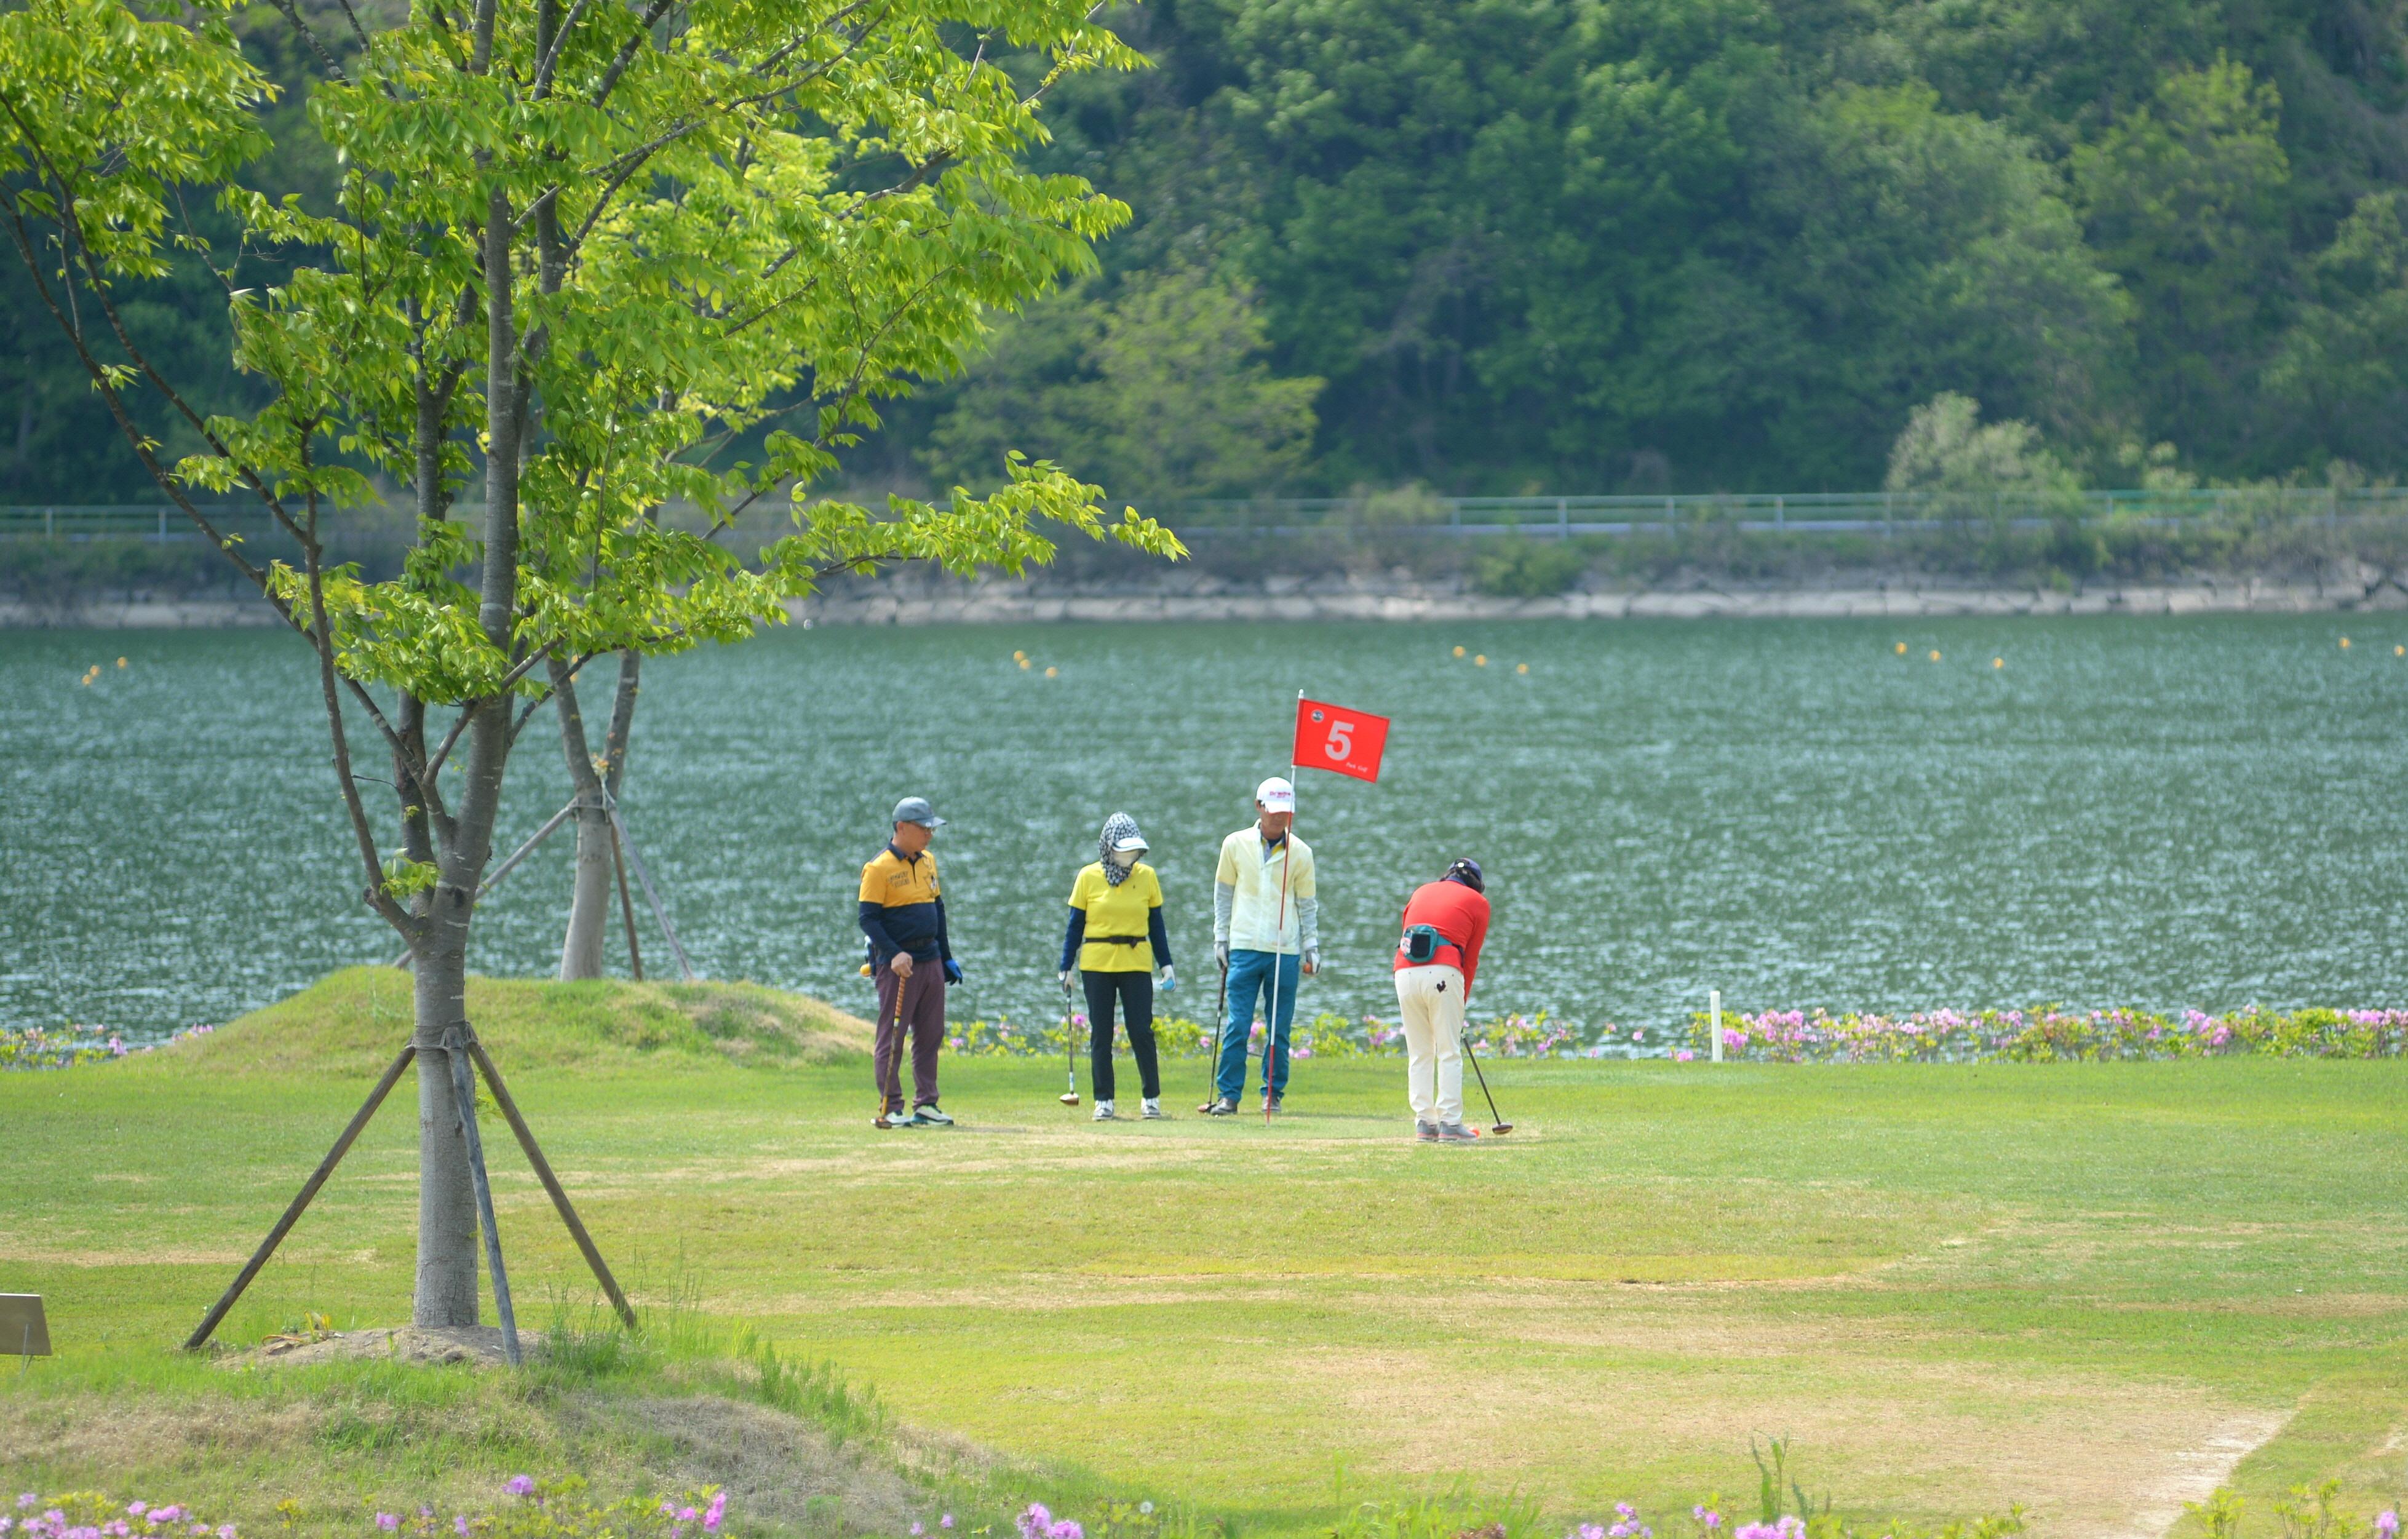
point(1024, 662)
point(1901, 649)
point(1018, 655)
point(1998, 662)
point(1935, 655)
point(1481, 660)
point(1053, 672)
point(1458, 651)
point(2399, 652)
point(1521, 667)
point(2344, 643)
point(121, 662)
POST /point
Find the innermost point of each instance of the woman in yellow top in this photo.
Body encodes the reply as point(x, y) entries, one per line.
point(1115, 940)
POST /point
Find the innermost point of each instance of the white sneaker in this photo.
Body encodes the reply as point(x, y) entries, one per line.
point(1150, 1108)
point(928, 1116)
point(1104, 1110)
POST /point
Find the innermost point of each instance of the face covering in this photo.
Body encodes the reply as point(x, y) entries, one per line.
point(1118, 863)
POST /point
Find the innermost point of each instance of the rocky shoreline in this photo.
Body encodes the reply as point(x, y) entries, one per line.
point(919, 601)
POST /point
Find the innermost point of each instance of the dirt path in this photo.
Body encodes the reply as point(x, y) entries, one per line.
point(2197, 1471)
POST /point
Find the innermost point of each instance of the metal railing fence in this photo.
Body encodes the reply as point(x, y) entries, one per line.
point(1411, 514)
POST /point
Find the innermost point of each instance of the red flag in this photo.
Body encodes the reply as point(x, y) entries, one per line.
point(1342, 741)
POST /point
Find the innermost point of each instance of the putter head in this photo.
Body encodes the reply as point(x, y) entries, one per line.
point(1070, 1098)
point(1500, 1130)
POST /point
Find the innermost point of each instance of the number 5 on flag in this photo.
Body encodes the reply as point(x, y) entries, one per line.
point(1342, 741)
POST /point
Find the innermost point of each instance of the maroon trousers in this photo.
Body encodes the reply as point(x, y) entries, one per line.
point(916, 1005)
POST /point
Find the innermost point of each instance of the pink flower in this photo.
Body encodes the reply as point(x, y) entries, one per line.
point(1684, 1056)
point(167, 1514)
point(946, 1522)
point(518, 1485)
point(387, 1521)
point(460, 1525)
point(686, 1515)
point(2387, 1523)
point(917, 1529)
point(718, 1510)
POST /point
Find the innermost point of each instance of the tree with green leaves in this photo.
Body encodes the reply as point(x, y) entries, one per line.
point(2183, 200)
point(575, 242)
point(2341, 372)
point(1161, 391)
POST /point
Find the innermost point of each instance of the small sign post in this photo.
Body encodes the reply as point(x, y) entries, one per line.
point(22, 1329)
point(1714, 1021)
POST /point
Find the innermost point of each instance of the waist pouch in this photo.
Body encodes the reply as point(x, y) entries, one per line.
point(1423, 943)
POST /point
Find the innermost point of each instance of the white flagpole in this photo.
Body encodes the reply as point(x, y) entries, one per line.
point(1287, 865)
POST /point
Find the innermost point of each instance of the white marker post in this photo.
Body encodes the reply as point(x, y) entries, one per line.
point(1714, 1020)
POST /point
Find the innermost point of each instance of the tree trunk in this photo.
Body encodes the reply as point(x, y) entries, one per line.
point(446, 1293)
point(589, 907)
point(589, 904)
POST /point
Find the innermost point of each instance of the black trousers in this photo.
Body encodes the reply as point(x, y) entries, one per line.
point(1135, 992)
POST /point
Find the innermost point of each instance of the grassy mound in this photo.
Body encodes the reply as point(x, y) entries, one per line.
point(353, 1021)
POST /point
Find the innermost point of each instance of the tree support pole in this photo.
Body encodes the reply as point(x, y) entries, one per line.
point(627, 904)
point(464, 1088)
point(634, 859)
point(217, 1313)
point(551, 1183)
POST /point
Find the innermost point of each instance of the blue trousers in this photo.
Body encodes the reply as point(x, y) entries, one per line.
point(1251, 975)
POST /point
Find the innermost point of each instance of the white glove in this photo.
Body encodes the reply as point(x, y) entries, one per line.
point(1170, 980)
point(1221, 954)
point(1062, 977)
point(1313, 959)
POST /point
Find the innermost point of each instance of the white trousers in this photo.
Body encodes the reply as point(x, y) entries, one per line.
point(1431, 1000)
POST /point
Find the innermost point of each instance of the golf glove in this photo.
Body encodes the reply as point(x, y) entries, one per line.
point(1170, 980)
point(1221, 954)
point(1313, 959)
point(952, 971)
point(1062, 977)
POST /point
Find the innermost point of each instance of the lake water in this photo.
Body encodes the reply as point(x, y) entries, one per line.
point(2160, 812)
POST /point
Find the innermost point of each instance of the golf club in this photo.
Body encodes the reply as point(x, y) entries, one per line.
point(1501, 1126)
point(895, 1023)
point(1070, 1050)
point(1212, 1061)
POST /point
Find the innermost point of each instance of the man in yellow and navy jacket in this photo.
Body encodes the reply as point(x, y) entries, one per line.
point(903, 913)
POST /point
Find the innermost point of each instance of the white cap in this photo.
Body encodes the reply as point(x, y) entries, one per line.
point(1276, 795)
point(1133, 842)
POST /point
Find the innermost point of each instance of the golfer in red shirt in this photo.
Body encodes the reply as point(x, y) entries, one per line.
point(1446, 922)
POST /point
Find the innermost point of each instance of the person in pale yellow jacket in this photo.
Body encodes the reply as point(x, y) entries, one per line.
point(1267, 936)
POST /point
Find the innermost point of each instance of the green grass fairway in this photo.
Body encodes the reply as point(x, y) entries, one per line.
point(1952, 1287)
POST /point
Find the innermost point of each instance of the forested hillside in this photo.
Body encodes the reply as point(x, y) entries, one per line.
point(1645, 245)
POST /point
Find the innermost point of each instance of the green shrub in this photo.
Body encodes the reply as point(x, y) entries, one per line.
point(1516, 567)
